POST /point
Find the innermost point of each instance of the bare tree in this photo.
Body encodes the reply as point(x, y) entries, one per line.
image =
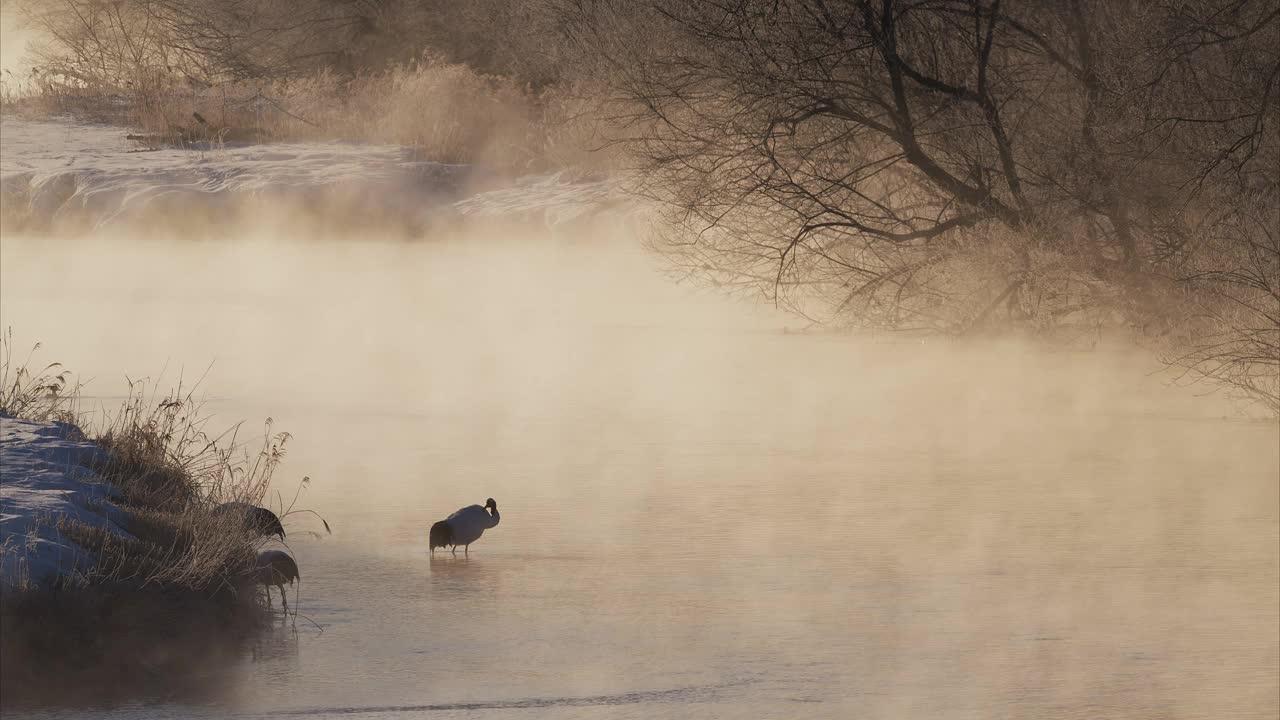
point(1229, 315)
point(949, 164)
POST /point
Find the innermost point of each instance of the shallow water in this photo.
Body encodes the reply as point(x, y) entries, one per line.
point(701, 515)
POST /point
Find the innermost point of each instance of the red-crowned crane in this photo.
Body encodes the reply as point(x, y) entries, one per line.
point(465, 526)
point(276, 567)
point(258, 519)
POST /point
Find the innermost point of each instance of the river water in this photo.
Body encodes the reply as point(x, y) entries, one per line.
point(704, 514)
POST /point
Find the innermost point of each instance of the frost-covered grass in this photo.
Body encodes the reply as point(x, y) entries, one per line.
point(111, 556)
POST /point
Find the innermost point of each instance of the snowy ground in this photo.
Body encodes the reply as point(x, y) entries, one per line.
point(43, 474)
point(61, 169)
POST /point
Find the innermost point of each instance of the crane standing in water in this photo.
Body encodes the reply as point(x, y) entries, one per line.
point(465, 526)
point(276, 567)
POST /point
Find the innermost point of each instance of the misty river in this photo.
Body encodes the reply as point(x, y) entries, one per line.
point(704, 512)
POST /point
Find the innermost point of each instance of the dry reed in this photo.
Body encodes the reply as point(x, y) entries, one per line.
point(191, 567)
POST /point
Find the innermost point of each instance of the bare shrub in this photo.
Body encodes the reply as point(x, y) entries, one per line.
point(473, 82)
point(448, 111)
point(117, 42)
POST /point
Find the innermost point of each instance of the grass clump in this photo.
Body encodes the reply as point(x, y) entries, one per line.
point(176, 588)
point(39, 395)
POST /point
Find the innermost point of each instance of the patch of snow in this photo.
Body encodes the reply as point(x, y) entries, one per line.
point(44, 474)
point(62, 169)
point(551, 202)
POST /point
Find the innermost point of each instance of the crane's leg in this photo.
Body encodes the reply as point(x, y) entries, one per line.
point(453, 549)
point(284, 598)
point(466, 549)
point(268, 589)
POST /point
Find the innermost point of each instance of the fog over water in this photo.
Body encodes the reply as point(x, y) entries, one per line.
point(704, 513)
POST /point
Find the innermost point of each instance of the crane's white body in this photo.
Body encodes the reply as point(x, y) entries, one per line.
point(470, 522)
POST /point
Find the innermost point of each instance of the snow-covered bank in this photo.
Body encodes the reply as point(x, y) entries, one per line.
point(143, 612)
point(52, 170)
point(44, 474)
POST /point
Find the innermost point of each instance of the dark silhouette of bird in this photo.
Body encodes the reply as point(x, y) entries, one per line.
point(465, 526)
point(276, 567)
point(259, 519)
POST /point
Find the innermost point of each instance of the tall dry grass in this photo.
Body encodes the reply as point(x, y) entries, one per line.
point(190, 567)
point(41, 394)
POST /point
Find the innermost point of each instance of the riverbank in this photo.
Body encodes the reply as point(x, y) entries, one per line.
point(64, 176)
point(47, 479)
point(118, 577)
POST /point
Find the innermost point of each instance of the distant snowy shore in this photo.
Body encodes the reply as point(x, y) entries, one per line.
point(44, 475)
point(60, 169)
